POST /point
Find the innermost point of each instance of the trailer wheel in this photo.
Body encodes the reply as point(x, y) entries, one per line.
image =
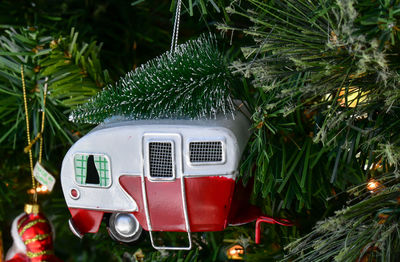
point(124, 227)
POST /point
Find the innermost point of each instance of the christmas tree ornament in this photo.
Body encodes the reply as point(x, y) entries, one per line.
point(31, 231)
point(165, 156)
point(32, 237)
point(163, 174)
point(157, 175)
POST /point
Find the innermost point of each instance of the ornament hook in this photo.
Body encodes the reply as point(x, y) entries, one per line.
point(174, 41)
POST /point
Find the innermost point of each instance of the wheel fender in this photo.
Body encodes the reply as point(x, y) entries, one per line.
point(85, 220)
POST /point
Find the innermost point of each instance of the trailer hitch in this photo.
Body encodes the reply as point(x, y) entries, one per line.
point(270, 220)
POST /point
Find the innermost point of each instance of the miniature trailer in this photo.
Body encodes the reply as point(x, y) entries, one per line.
point(157, 175)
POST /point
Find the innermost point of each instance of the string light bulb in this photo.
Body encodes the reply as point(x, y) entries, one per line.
point(40, 189)
point(235, 252)
point(373, 185)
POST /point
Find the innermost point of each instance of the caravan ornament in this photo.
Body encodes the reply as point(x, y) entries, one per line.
point(165, 156)
point(157, 175)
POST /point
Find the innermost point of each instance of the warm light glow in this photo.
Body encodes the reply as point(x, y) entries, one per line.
point(42, 189)
point(352, 95)
point(235, 252)
point(373, 185)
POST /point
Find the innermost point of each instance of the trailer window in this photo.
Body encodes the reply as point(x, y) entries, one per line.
point(161, 161)
point(206, 152)
point(92, 170)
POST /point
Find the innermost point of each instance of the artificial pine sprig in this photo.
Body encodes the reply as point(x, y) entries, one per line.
point(365, 231)
point(192, 82)
point(327, 70)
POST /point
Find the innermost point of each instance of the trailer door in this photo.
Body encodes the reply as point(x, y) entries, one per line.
point(163, 185)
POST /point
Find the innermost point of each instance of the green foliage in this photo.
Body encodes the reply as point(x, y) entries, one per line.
point(327, 78)
point(74, 70)
point(48, 46)
point(322, 59)
point(368, 230)
point(324, 97)
point(35, 51)
point(289, 166)
point(130, 35)
point(191, 82)
point(203, 6)
point(30, 48)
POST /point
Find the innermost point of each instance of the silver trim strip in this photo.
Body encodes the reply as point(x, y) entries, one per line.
point(73, 229)
point(186, 224)
point(146, 208)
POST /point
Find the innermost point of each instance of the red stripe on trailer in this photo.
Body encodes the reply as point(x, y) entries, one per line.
point(208, 202)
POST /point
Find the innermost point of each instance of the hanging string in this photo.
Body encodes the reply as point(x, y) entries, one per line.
point(43, 116)
point(28, 135)
point(175, 32)
point(39, 135)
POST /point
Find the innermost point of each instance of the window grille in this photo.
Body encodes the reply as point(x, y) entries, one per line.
point(92, 170)
point(160, 157)
point(203, 152)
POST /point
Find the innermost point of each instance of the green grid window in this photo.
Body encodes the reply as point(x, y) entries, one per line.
point(101, 169)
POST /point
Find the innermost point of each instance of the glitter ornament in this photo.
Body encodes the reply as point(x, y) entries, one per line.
point(32, 236)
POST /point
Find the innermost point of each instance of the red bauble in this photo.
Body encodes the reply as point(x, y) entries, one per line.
point(33, 239)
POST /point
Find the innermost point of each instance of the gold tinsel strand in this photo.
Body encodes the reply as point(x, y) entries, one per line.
point(36, 238)
point(31, 224)
point(36, 254)
point(28, 134)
